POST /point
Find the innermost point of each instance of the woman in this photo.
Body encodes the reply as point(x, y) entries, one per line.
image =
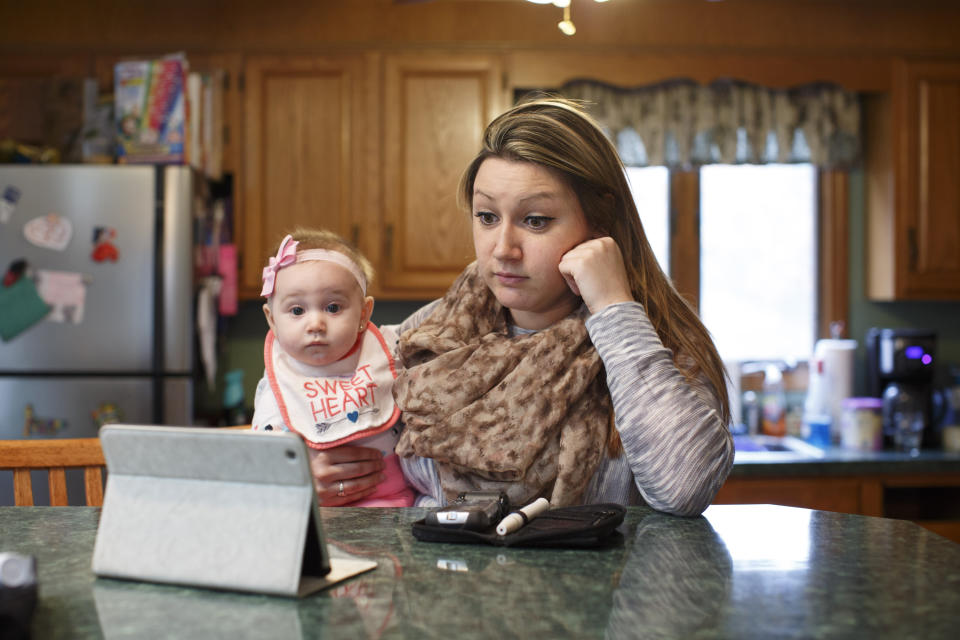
point(562, 362)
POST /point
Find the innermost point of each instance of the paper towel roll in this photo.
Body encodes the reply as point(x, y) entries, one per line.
point(833, 366)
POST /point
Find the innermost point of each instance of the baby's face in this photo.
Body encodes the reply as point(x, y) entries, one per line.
point(316, 312)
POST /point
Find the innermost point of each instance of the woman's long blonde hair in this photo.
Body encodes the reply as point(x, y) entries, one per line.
point(558, 134)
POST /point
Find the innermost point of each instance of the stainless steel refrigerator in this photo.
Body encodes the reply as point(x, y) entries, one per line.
point(118, 345)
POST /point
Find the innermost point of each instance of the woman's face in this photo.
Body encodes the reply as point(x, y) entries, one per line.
point(524, 219)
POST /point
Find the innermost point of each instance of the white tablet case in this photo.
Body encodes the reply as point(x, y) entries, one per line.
point(213, 508)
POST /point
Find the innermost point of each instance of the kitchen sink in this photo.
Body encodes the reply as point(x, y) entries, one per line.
point(769, 447)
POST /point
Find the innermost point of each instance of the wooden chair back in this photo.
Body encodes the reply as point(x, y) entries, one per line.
point(56, 455)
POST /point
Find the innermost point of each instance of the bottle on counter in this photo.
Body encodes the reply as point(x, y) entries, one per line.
point(234, 411)
point(815, 429)
point(817, 420)
point(831, 380)
point(751, 412)
point(774, 413)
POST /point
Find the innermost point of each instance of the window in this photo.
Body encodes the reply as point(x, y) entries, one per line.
point(651, 193)
point(758, 255)
point(755, 281)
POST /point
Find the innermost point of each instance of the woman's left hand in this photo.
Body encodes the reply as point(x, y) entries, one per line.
point(346, 473)
point(594, 270)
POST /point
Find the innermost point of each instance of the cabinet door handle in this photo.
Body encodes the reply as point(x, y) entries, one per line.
point(355, 235)
point(388, 245)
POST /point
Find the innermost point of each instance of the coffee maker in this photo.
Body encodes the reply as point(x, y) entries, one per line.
point(900, 368)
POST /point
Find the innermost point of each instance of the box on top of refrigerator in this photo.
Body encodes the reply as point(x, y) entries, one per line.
point(150, 108)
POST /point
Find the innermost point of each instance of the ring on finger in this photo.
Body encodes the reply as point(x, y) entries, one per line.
point(340, 493)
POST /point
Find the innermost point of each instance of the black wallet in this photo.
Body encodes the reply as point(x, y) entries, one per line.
point(583, 526)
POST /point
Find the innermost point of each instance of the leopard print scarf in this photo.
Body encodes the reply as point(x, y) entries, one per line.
point(528, 415)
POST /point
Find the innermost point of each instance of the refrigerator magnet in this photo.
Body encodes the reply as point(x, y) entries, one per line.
point(8, 203)
point(14, 272)
point(65, 292)
point(106, 413)
point(103, 247)
point(34, 426)
point(51, 231)
point(21, 307)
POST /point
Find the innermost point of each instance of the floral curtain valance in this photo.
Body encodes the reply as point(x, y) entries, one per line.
point(683, 124)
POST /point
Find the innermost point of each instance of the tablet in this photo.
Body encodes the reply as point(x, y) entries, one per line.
point(213, 508)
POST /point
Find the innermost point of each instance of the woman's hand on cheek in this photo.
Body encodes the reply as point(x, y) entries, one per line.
point(358, 468)
point(594, 270)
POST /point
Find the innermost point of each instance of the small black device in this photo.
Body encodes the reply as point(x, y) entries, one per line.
point(900, 370)
point(585, 526)
point(472, 510)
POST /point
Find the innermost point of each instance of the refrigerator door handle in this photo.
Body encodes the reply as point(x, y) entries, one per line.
point(176, 352)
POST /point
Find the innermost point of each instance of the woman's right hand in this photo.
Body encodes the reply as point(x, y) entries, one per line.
point(345, 474)
point(595, 271)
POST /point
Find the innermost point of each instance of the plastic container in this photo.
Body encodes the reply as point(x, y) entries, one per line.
point(951, 417)
point(861, 424)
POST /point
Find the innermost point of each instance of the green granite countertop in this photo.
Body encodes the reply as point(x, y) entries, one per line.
point(751, 571)
point(837, 461)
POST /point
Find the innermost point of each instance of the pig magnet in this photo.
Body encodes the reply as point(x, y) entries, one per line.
point(51, 231)
point(65, 292)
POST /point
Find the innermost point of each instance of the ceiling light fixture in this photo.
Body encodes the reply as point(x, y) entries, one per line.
point(566, 25)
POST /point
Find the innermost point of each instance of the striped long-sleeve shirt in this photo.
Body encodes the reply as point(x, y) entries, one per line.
point(677, 450)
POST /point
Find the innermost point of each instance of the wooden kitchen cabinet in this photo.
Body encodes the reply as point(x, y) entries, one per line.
point(840, 495)
point(932, 500)
point(913, 194)
point(306, 120)
point(435, 108)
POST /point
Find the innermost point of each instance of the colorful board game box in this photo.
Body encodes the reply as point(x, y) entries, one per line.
point(150, 110)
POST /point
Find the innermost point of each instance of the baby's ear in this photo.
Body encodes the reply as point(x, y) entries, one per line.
point(367, 312)
point(268, 315)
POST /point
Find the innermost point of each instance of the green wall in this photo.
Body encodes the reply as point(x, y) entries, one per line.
point(942, 317)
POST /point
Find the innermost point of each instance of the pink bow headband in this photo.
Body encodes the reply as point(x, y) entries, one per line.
point(287, 255)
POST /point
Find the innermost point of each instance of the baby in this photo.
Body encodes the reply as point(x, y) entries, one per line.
point(329, 371)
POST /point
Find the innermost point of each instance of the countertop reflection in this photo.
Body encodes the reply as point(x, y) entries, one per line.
point(751, 571)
